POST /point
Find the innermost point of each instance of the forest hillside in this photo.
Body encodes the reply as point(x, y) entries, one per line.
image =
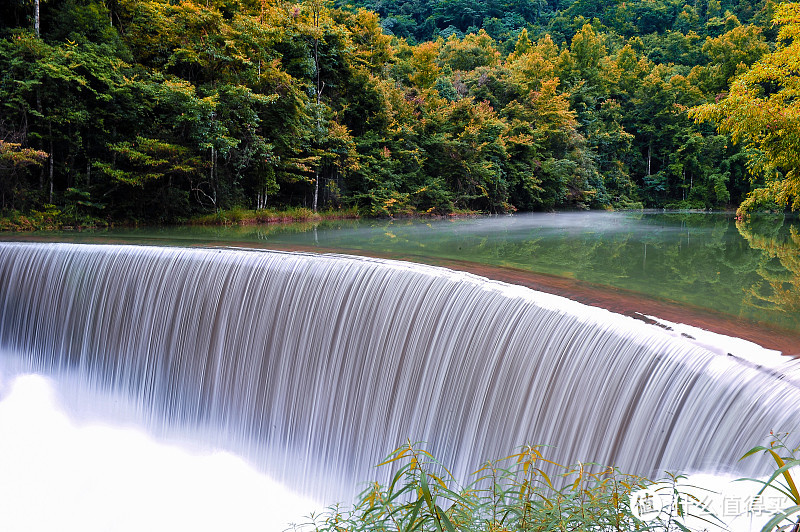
point(162, 110)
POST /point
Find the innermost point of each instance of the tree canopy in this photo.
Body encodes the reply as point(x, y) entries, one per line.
point(762, 111)
point(160, 110)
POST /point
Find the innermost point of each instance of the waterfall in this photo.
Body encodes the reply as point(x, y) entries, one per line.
point(315, 367)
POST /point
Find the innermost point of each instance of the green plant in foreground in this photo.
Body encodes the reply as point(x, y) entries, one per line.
point(785, 458)
point(521, 492)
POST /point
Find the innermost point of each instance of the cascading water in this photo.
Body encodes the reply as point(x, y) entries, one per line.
point(316, 366)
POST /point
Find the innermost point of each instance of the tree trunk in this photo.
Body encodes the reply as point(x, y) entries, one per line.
point(52, 153)
point(317, 11)
point(319, 94)
point(36, 17)
point(50, 197)
point(41, 171)
point(649, 157)
point(683, 183)
point(316, 188)
point(213, 176)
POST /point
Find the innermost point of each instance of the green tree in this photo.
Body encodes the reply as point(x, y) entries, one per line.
point(14, 162)
point(762, 110)
point(469, 53)
point(731, 54)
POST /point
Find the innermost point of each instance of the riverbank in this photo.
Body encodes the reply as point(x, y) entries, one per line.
point(239, 216)
point(56, 220)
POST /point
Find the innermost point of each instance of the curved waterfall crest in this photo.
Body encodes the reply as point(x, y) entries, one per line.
point(316, 366)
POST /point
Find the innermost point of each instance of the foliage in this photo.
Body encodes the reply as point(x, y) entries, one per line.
point(778, 287)
point(782, 480)
point(14, 160)
point(161, 111)
point(239, 216)
point(523, 491)
point(762, 111)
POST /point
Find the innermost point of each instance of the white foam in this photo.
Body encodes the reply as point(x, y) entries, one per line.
point(60, 475)
point(722, 344)
point(735, 503)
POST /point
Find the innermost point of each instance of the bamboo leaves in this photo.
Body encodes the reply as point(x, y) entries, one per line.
point(521, 492)
point(785, 458)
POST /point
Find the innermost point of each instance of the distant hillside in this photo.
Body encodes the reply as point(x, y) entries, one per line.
point(424, 20)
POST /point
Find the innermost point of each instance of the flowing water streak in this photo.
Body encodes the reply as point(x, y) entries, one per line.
point(316, 366)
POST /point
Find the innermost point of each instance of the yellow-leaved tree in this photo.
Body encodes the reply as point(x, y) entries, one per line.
point(762, 110)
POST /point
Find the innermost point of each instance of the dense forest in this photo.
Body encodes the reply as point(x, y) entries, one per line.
point(161, 110)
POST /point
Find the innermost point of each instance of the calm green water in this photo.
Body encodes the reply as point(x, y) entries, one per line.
point(750, 270)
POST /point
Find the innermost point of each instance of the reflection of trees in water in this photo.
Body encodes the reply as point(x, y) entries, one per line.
point(779, 265)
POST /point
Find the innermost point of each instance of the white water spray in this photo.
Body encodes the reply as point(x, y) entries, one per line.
point(63, 473)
